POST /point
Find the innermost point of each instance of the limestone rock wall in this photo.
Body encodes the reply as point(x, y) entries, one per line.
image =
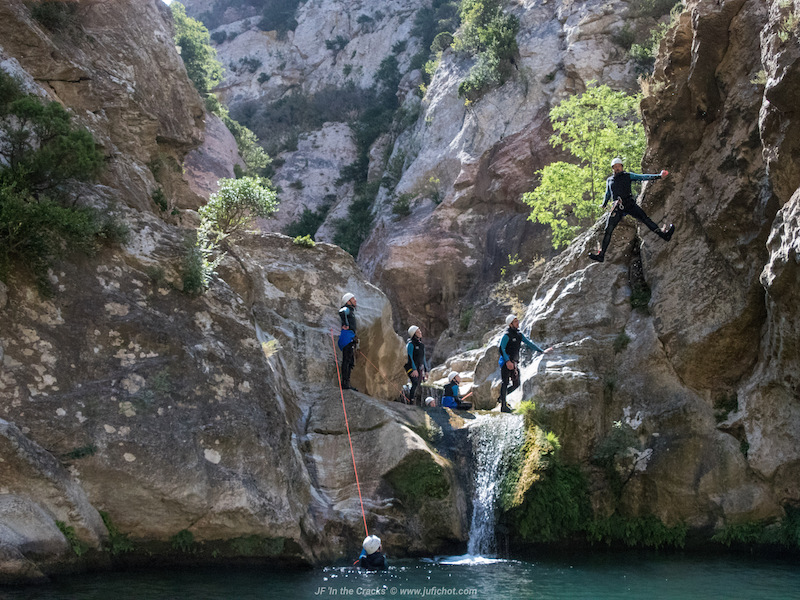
point(173, 413)
point(705, 375)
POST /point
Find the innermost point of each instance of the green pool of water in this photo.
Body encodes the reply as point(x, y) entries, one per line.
point(597, 577)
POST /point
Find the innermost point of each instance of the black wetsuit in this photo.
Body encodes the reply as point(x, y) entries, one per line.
point(348, 317)
point(415, 350)
point(375, 561)
point(618, 188)
point(510, 345)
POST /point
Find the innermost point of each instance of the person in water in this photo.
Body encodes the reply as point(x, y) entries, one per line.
point(618, 188)
point(509, 349)
point(371, 556)
point(451, 397)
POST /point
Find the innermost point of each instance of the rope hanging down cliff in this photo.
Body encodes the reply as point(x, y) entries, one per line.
point(349, 438)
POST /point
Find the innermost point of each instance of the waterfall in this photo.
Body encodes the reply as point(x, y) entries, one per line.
point(494, 437)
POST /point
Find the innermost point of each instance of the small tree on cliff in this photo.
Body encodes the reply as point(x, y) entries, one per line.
point(192, 37)
point(594, 127)
point(237, 203)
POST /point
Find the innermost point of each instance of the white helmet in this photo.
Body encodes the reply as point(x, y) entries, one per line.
point(346, 298)
point(429, 401)
point(412, 330)
point(510, 319)
point(616, 161)
point(371, 544)
point(452, 375)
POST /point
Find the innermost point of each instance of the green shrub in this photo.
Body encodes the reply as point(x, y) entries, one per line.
point(337, 44)
point(118, 542)
point(82, 452)
point(194, 275)
point(466, 318)
point(401, 207)
point(305, 241)
point(237, 203)
point(488, 34)
point(77, 545)
point(310, 221)
point(263, 78)
point(160, 199)
point(199, 57)
point(55, 16)
point(219, 37)
point(278, 15)
point(183, 541)
point(621, 342)
point(615, 444)
point(647, 532)
point(418, 478)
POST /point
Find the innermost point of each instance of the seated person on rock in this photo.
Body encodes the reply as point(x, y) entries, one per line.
point(371, 556)
point(452, 397)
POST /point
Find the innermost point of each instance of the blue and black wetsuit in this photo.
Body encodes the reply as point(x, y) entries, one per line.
point(415, 351)
point(618, 189)
point(451, 397)
point(347, 315)
point(509, 348)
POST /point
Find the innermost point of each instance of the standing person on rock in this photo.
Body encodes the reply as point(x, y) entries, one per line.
point(618, 188)
point(348, 340)
point(509, 349)
point(417, 365)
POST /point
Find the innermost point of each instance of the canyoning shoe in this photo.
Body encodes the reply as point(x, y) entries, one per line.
point(348, 387)
point(597, 256)
point(667, 233)
point(505, 409)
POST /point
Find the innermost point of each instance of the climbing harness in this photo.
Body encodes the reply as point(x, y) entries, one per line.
point(349, 438)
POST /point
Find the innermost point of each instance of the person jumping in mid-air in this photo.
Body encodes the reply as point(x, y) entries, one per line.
point(618, 188)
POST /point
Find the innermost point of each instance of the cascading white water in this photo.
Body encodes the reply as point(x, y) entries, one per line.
point(494, 438)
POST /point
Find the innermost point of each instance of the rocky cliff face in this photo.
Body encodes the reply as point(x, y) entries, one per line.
point(706, 374)
point(210, 425)
point(464, 167)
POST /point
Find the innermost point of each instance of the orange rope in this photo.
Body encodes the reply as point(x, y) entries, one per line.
point(386, 379)
point(349, 439)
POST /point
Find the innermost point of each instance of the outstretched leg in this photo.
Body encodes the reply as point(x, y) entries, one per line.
point(637, 212)
point(613, 219)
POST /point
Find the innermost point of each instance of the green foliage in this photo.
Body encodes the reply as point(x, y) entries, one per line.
point(309, 222)
point(442, 16)
point(118, 542)
point(41, 156)
point(489, 34)
point(593, 127)
point(640, 296)
point(194, 275)
point(237, 203)
point(251, 64)
point(648, 532)
point(160, 199)
point(81, 452)
point(200, 59)
point(55, 16)
point(351, 231)
point(614, 445)
point(77, 545)
point(337, 44)
point(644, 54)
point(183, 541)
point(466, 318)
point(228, 211)
point(263, 78)
point(399, 47)
point(305, 241)
point(621, 342)
point(278, 15)
point(555, 507)
point(418, 478)
point(255, 158)
point(401, 207)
